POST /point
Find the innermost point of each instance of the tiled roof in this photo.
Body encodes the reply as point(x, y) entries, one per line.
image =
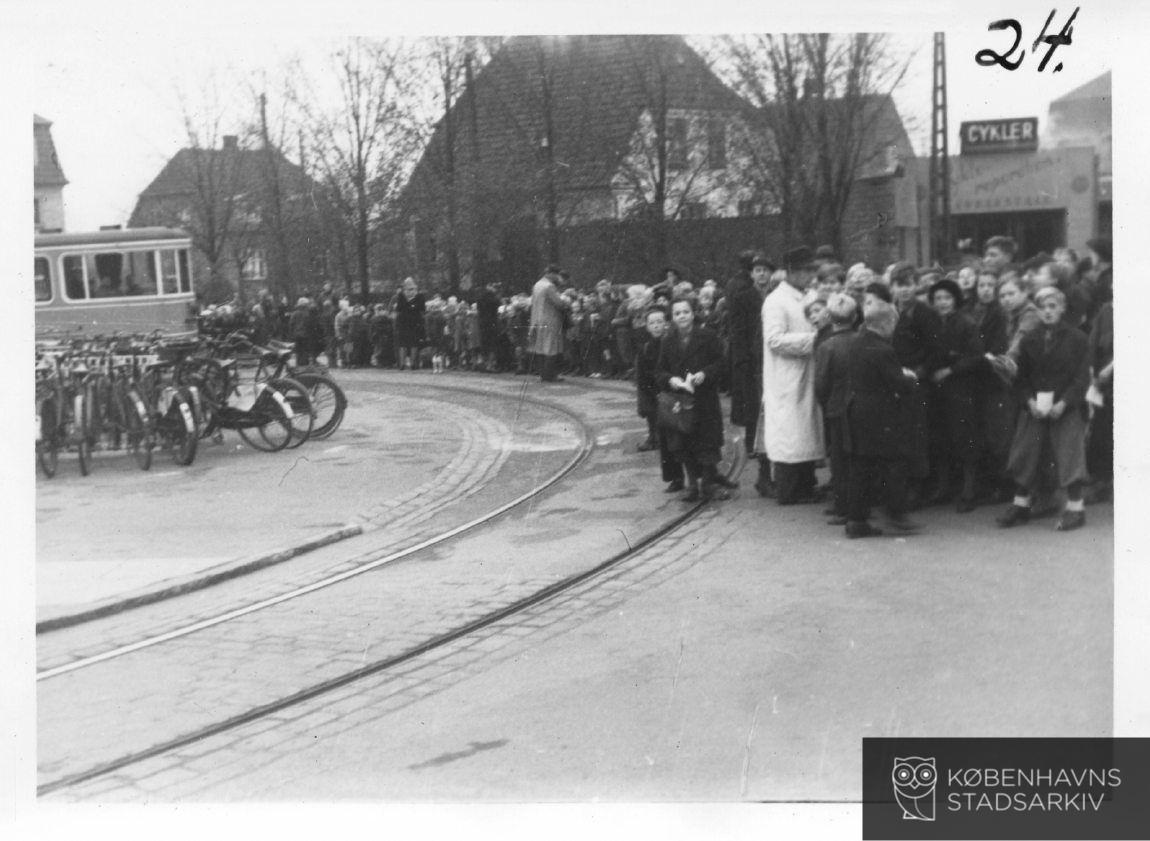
point(177, 178)
point(1096, 88)
point(47, 171)
point(600, 84)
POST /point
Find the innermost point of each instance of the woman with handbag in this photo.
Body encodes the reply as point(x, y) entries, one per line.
point(688, 373)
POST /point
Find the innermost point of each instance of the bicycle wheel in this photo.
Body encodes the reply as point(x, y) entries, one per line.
point(182, 430)
point(327, 400)
point(302, 412)
point(272, 429)
point(138, 434)
point(80, 425)
point(48, 442)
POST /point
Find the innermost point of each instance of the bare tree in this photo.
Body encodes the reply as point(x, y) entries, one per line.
point(677, 158)
point(823, 100)
point(363, 147)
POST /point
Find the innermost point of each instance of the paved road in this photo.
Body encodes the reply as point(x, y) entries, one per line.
point(743, 659)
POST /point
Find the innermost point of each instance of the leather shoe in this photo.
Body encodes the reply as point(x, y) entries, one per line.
point(1071, 520)
point(965, 506)
point(675, 486)
point(724, 482)
point(767, 490)
point(837, 520)
point(1014, 515)
point(692, 494)
point(863, 529)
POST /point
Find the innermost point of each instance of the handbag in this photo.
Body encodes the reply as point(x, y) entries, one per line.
point(676, 412)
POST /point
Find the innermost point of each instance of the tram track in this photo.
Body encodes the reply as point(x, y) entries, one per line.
point(379, 665)
point(363, 563)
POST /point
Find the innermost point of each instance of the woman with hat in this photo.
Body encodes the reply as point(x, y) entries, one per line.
point(954, 418)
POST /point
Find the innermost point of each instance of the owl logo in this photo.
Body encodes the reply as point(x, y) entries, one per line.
point(914, 778)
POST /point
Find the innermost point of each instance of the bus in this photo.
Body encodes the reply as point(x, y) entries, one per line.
point(132, 280)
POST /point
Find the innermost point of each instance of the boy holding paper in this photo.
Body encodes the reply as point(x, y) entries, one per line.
point(1053, 376)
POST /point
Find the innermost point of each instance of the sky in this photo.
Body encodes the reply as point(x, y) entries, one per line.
point(112, 83)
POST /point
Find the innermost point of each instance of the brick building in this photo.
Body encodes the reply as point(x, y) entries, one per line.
point(620, 154)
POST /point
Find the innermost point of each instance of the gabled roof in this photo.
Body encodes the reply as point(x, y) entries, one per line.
point(47, 171)
point(1096, 88)
point(178, 178)
point(599, 86)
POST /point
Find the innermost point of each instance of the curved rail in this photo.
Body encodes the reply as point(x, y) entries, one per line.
point(383, 664)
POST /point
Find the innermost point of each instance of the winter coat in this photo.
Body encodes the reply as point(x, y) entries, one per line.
point(875, 407)
point(832, 358)
point(548, 307)
point(792, 429)
point(953, 401)
point(745, 329)
point(409, 328)
point(703, 352)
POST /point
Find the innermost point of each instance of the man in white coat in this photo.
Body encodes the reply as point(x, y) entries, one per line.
point(792, 425)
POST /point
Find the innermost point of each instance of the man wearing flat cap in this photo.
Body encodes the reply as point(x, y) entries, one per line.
point(792, 428)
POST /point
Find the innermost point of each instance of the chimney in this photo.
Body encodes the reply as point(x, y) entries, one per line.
point(231, 141)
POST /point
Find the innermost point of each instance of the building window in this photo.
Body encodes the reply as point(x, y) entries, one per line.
point(254, 267)
point(677, 144)
point(716, 145)
point(693, 210)
point(36, 211)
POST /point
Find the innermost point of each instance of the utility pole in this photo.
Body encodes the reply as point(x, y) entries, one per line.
point(940, 227)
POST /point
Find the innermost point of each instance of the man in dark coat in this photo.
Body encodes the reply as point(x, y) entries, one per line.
point(875, 429)
point(918, 347)
point(487, 302)
point(745, 326)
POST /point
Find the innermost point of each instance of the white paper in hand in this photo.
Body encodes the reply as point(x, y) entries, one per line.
point(1045, 401)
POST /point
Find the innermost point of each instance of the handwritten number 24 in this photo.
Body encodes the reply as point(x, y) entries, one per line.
point(988, 57)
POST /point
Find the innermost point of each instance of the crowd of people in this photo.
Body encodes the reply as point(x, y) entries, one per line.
point(986, 382)
point(991, 382)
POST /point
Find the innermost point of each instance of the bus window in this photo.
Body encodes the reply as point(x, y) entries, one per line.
point(106, 275)
point(141, 279)
point(41, 280)
point(185, 273)
point(169, 272)
point(74, 286)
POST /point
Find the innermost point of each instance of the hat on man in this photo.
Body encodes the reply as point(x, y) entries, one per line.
point(950, 286)
point(799, 258)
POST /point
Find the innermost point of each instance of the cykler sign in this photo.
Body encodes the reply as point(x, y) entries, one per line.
point(1018, 135)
